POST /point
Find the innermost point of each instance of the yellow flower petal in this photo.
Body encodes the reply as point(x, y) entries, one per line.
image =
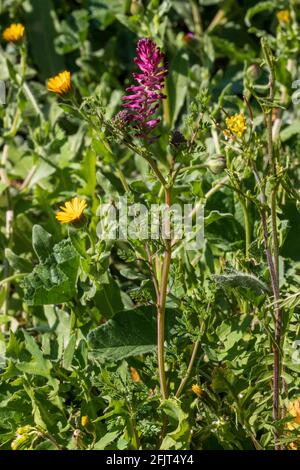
point(236, 125)
point(61, 83)
point(14, 32)
point(72, 211)
point(197, 389)
point(283, 16)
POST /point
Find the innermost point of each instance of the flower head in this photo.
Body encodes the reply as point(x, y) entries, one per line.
point(72, 211)
point(61, 83)
point(283, 16)
point(143, 99)
point(84, 421)
point(197, 389)
point(14, 32)
point(236, 125)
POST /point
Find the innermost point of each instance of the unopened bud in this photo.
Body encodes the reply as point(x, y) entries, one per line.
point(216, 164)
point(84, 421)
point(177, 138)
point(136, 7)
point(254, 72)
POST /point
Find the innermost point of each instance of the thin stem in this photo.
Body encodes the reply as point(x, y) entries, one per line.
point(192, 168)
point(278, 326)
point(11, 278)
point(247, 227)
point(32, 100)
point(154, 167)
point(161, 308)
point(189, 369)
point(197, 18)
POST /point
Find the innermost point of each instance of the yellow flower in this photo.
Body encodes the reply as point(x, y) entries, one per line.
point(197, 389)
point(283, 16)
point(294, 410)
point(293, 446)
point(236, 125)
point(61, 83)
point(72, 211)
point(14, 32)
point(84, 421)
point(135, 375)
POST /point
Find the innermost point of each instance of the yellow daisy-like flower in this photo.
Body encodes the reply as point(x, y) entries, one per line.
point(294, 410)
point(197, 389)
point(72, 211)
point(14, 32)
point(236, 125)
point(283, 16)
point(84, 421)
point(61, 83)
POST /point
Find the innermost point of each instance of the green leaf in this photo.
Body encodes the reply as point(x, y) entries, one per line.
point(290, 130)
point(39, 365)
point(89, 173)
point(17, 262)
point(213, 216)
point(41, 242)
point(177, 84)
point(54, 281)
point(242, 280)
point(261, 6)
point(179, 437)
point(108, 296)
point(41, 33)
point(106, 440)
point(69, 352)
point(129, 333)
point(3, 187)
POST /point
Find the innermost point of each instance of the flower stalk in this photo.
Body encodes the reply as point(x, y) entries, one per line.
point(274, 263)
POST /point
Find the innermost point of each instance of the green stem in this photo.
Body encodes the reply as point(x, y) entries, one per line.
point(161, 308)
point(32, 100)
point(197, 18)
point(247, 228)
point(189, 369)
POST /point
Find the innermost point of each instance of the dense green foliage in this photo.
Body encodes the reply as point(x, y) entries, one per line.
point(78, 321)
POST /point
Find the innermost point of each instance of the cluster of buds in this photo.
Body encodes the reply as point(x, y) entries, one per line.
point(24, 437)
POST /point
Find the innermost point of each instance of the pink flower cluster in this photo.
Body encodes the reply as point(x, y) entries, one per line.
point(144, 99)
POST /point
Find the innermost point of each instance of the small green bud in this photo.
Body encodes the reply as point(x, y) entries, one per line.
point(136, 7)
point(254, 72)
point(216, 164)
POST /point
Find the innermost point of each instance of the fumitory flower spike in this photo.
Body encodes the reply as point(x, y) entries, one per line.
point(144, 99)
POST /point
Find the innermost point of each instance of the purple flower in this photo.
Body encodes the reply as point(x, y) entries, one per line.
point(143, 99)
